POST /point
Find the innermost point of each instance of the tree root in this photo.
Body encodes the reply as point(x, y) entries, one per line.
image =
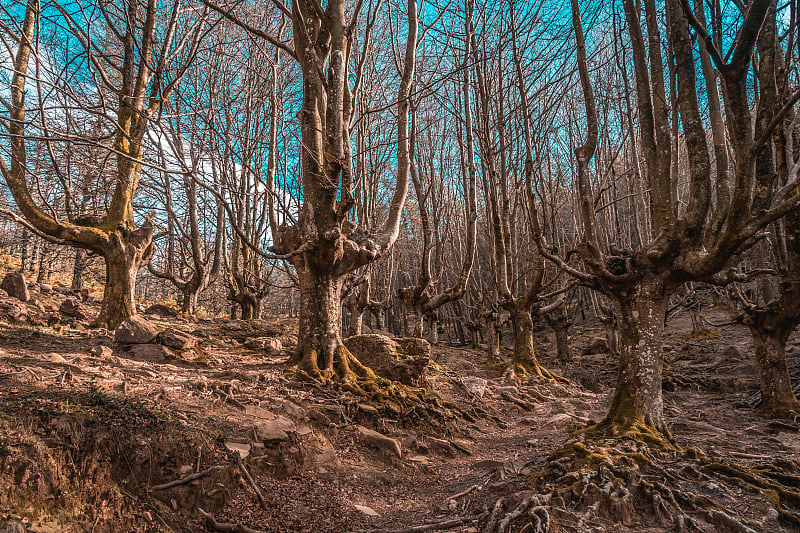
point(531, 369)
point(348, 374)
point(626, 481)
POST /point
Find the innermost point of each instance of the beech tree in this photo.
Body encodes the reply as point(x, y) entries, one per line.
point(132, 65)
point(325, 244)
point(723, 214)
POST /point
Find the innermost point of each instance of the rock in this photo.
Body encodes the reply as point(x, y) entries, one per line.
point(277, 429)
point(161, 310)
point(367, 408)
point(268, 345)
point(475, 386)
point(103, 352)
point(54, 358)
point(420, 459)
point(414, 347)
point(731, 353)
point(243, 449)
point(385, 356)
point(149, 352)
point(596, 346)
point(44, 287)
point(176, 339)
point(14, 285)
point(380, 440)
point(71, 307)
point(136, 330)
point(369, 511)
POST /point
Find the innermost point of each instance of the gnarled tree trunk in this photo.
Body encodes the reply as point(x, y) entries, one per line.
point(637, 405)
point(777, 395)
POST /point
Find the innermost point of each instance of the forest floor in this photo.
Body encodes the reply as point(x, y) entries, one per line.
point(88, 433)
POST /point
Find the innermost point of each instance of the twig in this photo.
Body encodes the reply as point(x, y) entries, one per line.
point(186, 479)
point(252, 482)
point(226, 526)
point(460, 494)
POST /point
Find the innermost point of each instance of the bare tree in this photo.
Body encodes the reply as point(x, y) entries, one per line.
point(151, 55)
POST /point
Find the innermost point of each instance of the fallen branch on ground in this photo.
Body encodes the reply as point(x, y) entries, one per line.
point(226, 526)
point(186, 479)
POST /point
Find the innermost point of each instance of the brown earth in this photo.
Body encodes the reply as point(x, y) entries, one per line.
point(86, 435)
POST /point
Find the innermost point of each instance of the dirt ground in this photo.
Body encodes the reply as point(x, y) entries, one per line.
point(88, 434)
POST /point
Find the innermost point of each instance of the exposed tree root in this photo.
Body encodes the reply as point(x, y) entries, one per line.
point(345, 372)
point(631, 428)
point(627, 482)
point(527, 369)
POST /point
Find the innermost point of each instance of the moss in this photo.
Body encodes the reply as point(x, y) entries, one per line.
point(527, 369)
point(704, 334)
point(347, 373)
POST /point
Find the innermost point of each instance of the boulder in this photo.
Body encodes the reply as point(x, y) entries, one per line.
point(597, 345)
point(72, 307)
point(414, 347)
point(386, 357)
point(101, 351)
point(149, 352)
point(379, 440)
point(475, 386)
point(14, 284)
point(268, 345)
point(161, 310)
point(136, 330)
point(176, 339)
point(276, 429)
point(45, 288)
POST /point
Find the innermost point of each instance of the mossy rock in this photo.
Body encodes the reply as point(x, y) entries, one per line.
point(390, 358)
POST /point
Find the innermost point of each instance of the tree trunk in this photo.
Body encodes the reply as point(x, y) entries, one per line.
point(119, 302)
point(562, 344)
point(380, 318)
point(637, 404)
point(321, 352)
point(356, 320)
point(494, 354)
point(559, 323)
point(189, 305)
point(78, 269)
point(524, 361)
point(127, 251)
point(250, 305)
point(777, 396)
point(434, 331)
point(414, 321)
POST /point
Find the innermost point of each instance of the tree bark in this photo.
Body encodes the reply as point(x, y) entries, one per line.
point(78, 269)
point(777, 396)
point(127, 251)
point(637, 405)
point(559, 323)
point(524, 361)
point(415, 321)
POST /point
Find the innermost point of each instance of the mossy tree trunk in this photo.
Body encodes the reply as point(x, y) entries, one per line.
point(637, 403)
point(126, 253)
point(777, 395)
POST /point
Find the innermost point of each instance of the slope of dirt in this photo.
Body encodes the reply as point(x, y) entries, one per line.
point(88, 435)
